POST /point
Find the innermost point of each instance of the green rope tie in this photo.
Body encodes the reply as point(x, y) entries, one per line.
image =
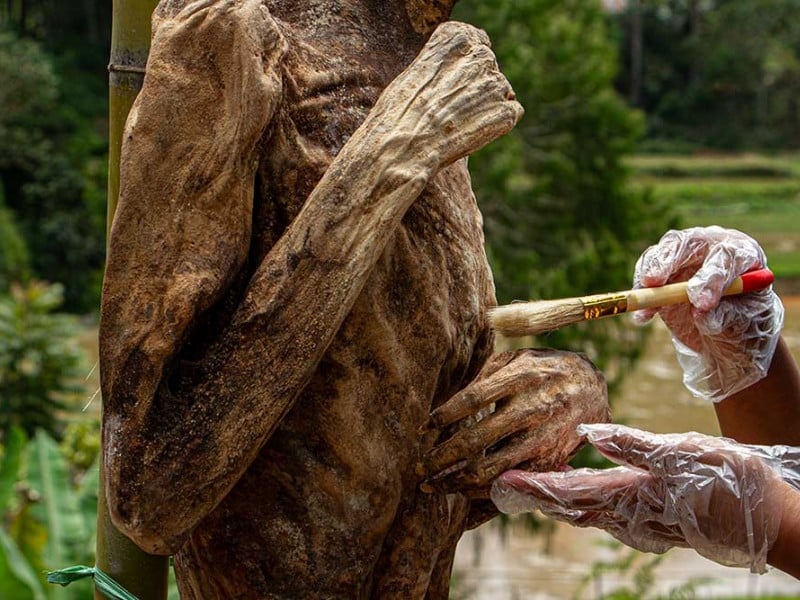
point(104, 584)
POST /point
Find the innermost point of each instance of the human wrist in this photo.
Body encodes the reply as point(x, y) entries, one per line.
point(783, 554)
point(767, 412)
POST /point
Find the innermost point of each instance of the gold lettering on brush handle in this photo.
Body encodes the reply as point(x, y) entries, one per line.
point(604, 306)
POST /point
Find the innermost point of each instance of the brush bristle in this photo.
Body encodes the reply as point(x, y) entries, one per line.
point(533, 318)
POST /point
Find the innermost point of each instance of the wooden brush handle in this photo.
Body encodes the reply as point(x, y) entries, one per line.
point(675, 293)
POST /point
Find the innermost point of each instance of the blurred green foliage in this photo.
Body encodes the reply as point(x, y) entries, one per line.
point(52, 165)
point(14, 258)
point(48, 492)
point(80, 444)
point(41, 365)
point(720, 73)
point(560, 216)
point(47, 517)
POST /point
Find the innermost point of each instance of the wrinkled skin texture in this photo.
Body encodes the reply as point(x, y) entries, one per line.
point(296, 279)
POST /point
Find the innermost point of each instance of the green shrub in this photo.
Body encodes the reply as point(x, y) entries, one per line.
point(14, 262)
point(40, 361)
point(81, 444)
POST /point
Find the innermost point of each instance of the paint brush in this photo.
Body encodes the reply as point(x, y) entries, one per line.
point(532, 318)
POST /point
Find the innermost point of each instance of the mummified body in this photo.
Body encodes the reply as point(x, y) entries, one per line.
point(296, 280)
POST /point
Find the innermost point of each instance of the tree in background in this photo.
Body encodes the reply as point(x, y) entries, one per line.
point(85, 21)
point(561, 219)
point(719, 73)
point(52, 152)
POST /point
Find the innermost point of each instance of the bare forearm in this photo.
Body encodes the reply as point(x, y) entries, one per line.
point(767, 412)
point(783, 554)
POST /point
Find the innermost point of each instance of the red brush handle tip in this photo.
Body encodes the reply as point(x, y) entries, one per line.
point(757, 280)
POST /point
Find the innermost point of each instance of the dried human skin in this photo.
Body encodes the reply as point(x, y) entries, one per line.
point(296, 278)
point(537, 399)
point(425, 15)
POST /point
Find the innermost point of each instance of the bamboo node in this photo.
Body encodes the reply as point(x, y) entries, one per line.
point(115, 68)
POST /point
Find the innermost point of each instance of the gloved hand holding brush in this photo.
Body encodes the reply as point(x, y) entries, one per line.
point(733, 502)
point(723, 344)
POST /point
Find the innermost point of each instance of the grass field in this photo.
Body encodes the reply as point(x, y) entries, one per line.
point(755, 193)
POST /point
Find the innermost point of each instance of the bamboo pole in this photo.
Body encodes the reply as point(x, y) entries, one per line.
point(130, 43)
point(142, 574)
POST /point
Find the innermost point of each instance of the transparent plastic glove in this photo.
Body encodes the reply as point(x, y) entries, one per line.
point(787, 456)
point(688, 490)
point(723, 344)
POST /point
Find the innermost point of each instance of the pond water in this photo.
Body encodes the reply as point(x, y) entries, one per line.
point(509, 563)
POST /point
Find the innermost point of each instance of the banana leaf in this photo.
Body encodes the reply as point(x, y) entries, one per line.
point(17, 578)
point(57, 509)
point(87, 502)
point(9, 468)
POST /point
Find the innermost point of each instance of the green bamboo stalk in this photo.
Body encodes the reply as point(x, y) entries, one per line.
point(142, 574)
point(130, 44)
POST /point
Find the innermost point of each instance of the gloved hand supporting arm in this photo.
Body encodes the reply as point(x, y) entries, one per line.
point(721, 498)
